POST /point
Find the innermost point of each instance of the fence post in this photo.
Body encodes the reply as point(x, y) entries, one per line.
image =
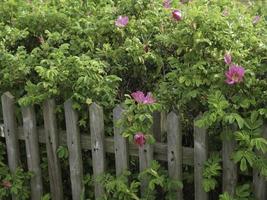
point(75, 152)
point(229, 167)
point(120, 144)
point(200, 156)
point(51, 134)
point(97, 142)
point(32, 150)
point(10, 131)
point(259, 182)
point(174, 136)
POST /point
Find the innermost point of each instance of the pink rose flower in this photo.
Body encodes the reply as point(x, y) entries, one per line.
point(139, 139)
point(228, 58)
point(149, 99)
point(177, 15)
point(256, 19)
point(140, 97)
point(122, 21)
point(235, 74)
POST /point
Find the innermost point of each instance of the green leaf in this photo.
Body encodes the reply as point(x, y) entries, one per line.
point(243, 164)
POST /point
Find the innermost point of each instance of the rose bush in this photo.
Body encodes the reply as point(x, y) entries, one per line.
point(196, 57)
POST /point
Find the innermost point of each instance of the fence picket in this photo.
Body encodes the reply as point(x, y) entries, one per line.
point(259, 182)
point(75, 152)
point(229, 167)
point(145, 153)
point(32, 150)
point(173, 151)
point(10, 130)
point(200, 156)
point(174, 136)
point(51, 132)
point(97, 142)
point(10, 126)
point(120, 144)
point(158, 125)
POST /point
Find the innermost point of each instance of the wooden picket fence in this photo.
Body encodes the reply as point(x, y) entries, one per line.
point(172, 152)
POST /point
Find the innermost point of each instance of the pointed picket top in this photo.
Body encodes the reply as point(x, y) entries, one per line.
point(52, 144)
point(117, 110)
point(75, 151)
point(10, 132)
point(68, 103)
point(32, 150)
point(200, 157)
point(8, 95)
point(95, 106)
point(173, 115)
point(96, 120)
point(120, 143)
point(175, 149)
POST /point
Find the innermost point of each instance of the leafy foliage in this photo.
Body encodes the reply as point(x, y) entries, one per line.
point(13, 184)
point(211, 171)
point(73, 49)
point(243, 192)
point(119, 188)
point(138, 118)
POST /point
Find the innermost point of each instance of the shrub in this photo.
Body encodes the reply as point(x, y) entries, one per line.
point(204, 56)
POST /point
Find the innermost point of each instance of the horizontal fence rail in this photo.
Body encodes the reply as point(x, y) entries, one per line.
point(160, 152)
point(172, 152)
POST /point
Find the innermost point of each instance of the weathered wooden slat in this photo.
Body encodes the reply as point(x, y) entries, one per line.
point(145, 161)
point(98, 146)
point(160, 149)
point(200, 156)
point(259, 182)
point(12, 144)
point(229, 167)
point(146, 153)
point(174, 136)
point(32, 150)
point(10, 131)
point(52, 143)
point(157, 128)
point(159, 125)
point(75, 151)
point(120, 144)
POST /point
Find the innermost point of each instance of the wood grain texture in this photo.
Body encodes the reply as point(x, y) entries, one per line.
point(52, 143)
point(229, 167)
point(157, 126)
point(200, 156)
point(120, 144)
point(10, 130)
point(146, 156)
point(145, 161)
point(32, 150)
point(98, 145)
point(174, 136)
point(160, 149)
point(259, 182)
point(75, 151)
point(10, 133)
